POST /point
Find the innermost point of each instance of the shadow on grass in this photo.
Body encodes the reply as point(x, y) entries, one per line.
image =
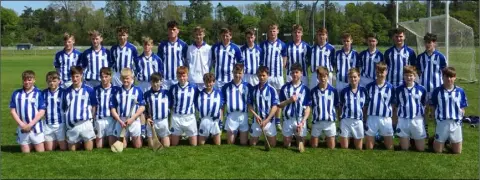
point(11, 148)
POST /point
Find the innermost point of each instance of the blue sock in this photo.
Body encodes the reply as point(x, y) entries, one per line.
point(277, 120)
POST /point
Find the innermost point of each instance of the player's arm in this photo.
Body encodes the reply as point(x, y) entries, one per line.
point(39, 114)
point(306, 113)
point(141, 107)
point(283, 99)
point(56, 63)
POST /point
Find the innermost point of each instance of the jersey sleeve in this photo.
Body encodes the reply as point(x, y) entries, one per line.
point(141, 100)
point(113, 100)
point(424, 97)
point(282, 96)
point(443, 62)
point(160, 51)
point(307, 100)
point(392, 99)
point(284, 50)
point(262, 57)
point(342, 98)
point(412, 58)
point(170, 98)
point(274, 97)
point(92, 97)
point(56, 61)
point(41, 101)
point(463, 100)
point(213, 58)
point(110, 59)
point(358, 64)
point(332, 57)
point(12, 100)
point(433, 98)
point(308, 56)
point(336, 98)
point(418, 65)
point(238, 56)
point(83, 60)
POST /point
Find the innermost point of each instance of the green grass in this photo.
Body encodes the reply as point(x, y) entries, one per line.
point(225, 161)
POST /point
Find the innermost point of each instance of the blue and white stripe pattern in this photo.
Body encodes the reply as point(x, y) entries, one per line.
point(159, 103)
point(396, 59)
point(63, 62)
point(324, 104)
point(104, 96)
point(353, 103)
point(431, 69)
point(295, 110)
point(124, 101)
point(263, 99)
point(368, 62)
point(321, 56)
point(344, 62)
point(27, 106)
point(273, 53)
point(297, 54)
point(53, 106)
point(183, 98)
point(380, 99)
point(410, 101)
point(236, 96)
point(173, 55)
point(209, 104)
point(449, 104)
point(252, 58)
point(93, 61)
point(224, 57)
point(146, 66)
point(124, 57)
point(77, 104)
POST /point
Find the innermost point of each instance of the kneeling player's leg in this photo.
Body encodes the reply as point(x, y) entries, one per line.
point(330, 132)
point(271, 132)
point(255, 132)
point(358, 134)
point(344, 133)
point(287, 132)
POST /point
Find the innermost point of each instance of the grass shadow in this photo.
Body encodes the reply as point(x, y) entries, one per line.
point(11, 148)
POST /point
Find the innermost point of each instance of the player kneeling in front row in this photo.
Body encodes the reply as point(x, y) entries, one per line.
point(449, 102)
point(54, 129)
point(263, 104)
point(104, 123)
point(209, 103)
point(127, 106)
point(295, 102)
point(325, 102)
point(158, 102)
point(410, 101)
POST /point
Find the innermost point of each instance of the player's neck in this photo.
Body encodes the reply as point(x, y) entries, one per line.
point(226, 43)
point(27, 90)
point(147, 53)
point(123, 44)
point(346, 49)
point(261, 85)
point(372, 49)
point(296, 83)
point(272, 40)
point(68, 51)
point(409, 84)
point(448, 86)
point(53, 89)
point(97, 48)
point(237, 82)
point(199, 43)
point(297, 42)
point(209, 90)
point(76, 86)
point(250, 45)
point(107, 85)
point(323, 85)
point(322, 43)
point(380, 81)
point(172, 39)
point(127, 87)
point(399, 46)
point(430, 52)
point(354, 87)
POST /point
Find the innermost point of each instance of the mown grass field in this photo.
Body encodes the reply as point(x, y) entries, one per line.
point(225, 161)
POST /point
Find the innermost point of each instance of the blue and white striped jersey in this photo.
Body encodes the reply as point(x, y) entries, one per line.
point(104, 96)
point(124, 57)
point(353, 103)
point(368, 61)
point(430, 68)
point(27, 106)
point(63, 62)
point(410, 101)
point(344, 62)
point(263, 99)
point(146, 66)
point(53, 106)
point(183, 98)
point(159, 103)
point(321, 56)
point(380, 99)
point(324, 104)
point(77, 104)
point(173, 55)
point(273, 53)
point(297, 54)
point(449, 104)
point(209, 104)
point(92, 62)
point(223, 58)
point(295, 110)
point(252, 58)
point(396, 59)
point(124, 101)
point(236, 96)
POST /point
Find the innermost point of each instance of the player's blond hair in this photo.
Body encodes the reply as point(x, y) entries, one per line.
point(67, 36)
point(126, 72)
point(381, 67)
point(147, 40)
point(199, 29)
point(410, 70)
point(94, 33)
point(352, 71)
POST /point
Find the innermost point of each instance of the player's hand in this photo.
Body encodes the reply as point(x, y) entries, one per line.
point(122, 124)
point(264, 123)
point(149, 120)
point(129, 121)
point(294, 98)
point(26, 128)
point(258, 119)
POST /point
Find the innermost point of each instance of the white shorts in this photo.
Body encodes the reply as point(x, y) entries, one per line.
point(208, 127)
point(219, 84)
point(133, 130)
point(104, 127)
point(167, 83)
point(270, 130)
point(340, 86)
point(92, 83)
point(252, 79)
point(314, 79)
point(54, 132)
point(364, 81)
point(328, 127)
point(66, 84)
point(184, 123)
point(376, 124)
point(276, 82)
point(161, 128)
point(351, 128)
point(237, 121)
point(411, 128)
point(116, 81)
point(82, 130)
point(290, 128)
point(29, 138)
point(144, 85)
point(448, 129)
point(304, 79)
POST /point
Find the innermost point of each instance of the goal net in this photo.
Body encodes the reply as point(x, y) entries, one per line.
point(461, 48)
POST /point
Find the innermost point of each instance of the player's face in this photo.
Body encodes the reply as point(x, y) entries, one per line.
point(372, 42)
point(296, 75)
point(226, 37)
point(68, 44)
point(262, 77)
point(182, 78)
point(273, 33)
point(173, 32)
point(399, 39)
point(430, 46)
point(353, 79)
point(209, 85)
point(250, 38)
point(127, 81)
point(449, 81)
point(238, 76)
point(297, 35)
point(96, 41)
point(347, 42)
point(53, 83)
point(106, 79)
point(198, 36)
point(321, 38)
point(381, 75)
point(409, 78)
point(147, 47)
point(122, 37)
point(76, 79)
point(156, 85)
point(322, 79)
point(28, 83)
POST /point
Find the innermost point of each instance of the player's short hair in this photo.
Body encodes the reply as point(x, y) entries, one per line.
point(353, 70)
point(76, 70)
point(27, 74)
point(208, 77)
point(430, 37)
point(172, 24)
point(397, 31)
point(322, 71)
point(182, 70)
point(52, 75)
point(67, 36)
point(225, 30)
point(263, 69)
point(296, 27)
point(126, 72)
point(381, 67)
point(94, 33)
point(371, 35)
point(346, 36)
point(449, 72)
point(296, 67)
point(199, 29)
point(273, 26)
point(410, 70)
point(322, 30)
point(122, 30)
point(249, 32)
point(156, 77)
point(147, 40)
point(106, 71)
point(238, 68)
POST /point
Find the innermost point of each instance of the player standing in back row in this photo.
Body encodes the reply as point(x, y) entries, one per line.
point(124, 55)
point(173, 52)
point(321, 54)
point(297, 53)
point(397, 57)
point(65, 59)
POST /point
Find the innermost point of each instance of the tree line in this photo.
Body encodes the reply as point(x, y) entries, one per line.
point(45, 27)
